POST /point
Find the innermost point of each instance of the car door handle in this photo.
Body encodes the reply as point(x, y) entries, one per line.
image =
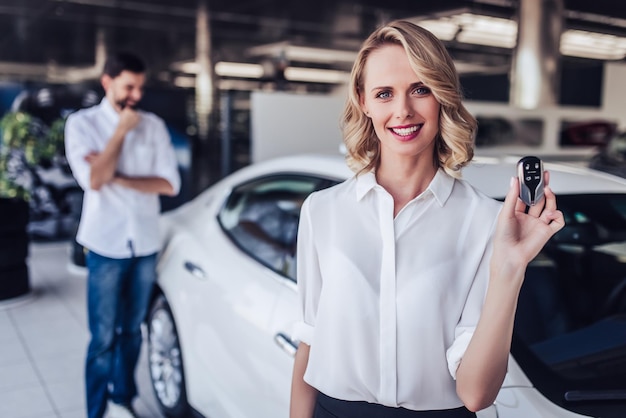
point(195, 270)
point(288, 344)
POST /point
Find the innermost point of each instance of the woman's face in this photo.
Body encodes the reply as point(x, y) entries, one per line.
point(404, 112)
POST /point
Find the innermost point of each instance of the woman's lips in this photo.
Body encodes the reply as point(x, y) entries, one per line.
point(406, 132)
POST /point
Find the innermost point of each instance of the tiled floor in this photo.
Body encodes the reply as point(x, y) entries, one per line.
point(43, 339)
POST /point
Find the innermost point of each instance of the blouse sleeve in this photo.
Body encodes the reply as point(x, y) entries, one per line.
point(308, 276)
point(471, 311)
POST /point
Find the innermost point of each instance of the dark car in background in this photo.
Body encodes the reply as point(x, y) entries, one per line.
point(612, 157)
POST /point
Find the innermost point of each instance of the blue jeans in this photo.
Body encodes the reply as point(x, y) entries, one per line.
point(118, 293)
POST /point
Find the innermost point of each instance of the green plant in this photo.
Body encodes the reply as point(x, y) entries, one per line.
point(26, 142)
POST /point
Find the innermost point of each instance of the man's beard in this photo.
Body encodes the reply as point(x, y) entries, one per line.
point(125, 103)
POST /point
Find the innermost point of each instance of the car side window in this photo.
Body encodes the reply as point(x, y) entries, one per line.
point(569, 328)
point(261, 217)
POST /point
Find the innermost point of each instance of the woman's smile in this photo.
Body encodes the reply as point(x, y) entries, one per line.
point(406, 132)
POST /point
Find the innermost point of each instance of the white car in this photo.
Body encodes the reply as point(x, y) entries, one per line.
point(225, 303)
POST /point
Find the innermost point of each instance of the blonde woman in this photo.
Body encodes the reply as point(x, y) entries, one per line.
point(408, 276)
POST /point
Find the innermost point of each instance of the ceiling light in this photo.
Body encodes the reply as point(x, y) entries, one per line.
point(185, 81)
point(320, 55)
point(491, 31)
point(238, 69)
point(284, 50)
point(189, 67)
point(255, 71)
point(593, 45)
point(443, 28)
point(316, 75)
point(223, 69)
point(473, 29)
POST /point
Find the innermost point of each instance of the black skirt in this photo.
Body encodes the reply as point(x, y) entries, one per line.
point(327, 407)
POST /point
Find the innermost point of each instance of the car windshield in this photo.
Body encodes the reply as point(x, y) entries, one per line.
point(570, 327)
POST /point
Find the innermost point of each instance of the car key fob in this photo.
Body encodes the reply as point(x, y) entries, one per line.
point(530, 174)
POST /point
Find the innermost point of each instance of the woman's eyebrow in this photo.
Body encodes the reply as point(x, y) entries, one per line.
point(381, 88)
point(413, 85)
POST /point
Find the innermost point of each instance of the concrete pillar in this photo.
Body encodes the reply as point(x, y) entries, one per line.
point(204, 77)
point(205, 158)
point(536, 60)
point(613, 92)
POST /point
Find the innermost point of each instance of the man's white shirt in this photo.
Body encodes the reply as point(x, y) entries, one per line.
point(117, 221)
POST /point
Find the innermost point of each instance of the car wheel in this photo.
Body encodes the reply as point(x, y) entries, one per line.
point(165, 360)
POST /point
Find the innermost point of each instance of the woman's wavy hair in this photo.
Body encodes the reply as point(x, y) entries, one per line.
point(431, 62)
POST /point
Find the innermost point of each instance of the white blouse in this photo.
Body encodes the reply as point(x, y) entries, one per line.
point(390, 305)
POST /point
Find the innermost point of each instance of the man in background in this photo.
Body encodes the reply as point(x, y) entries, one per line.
point(123, 159)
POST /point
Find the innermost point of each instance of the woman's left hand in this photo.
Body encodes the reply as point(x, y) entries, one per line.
point(519, 235)
point(518, 238)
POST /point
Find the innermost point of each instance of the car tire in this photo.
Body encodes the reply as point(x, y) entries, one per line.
point(165, 361)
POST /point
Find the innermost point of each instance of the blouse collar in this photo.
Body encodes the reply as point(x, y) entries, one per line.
point(440, 186)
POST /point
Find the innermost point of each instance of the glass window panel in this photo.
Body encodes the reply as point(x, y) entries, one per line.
point(262, 217)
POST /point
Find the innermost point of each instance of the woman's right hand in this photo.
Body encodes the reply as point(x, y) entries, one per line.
point(303, 395)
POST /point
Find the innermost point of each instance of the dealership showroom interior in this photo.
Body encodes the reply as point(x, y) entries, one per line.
point(251, 95)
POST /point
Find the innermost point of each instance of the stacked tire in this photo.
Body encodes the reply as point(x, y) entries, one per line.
point(14, 278)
